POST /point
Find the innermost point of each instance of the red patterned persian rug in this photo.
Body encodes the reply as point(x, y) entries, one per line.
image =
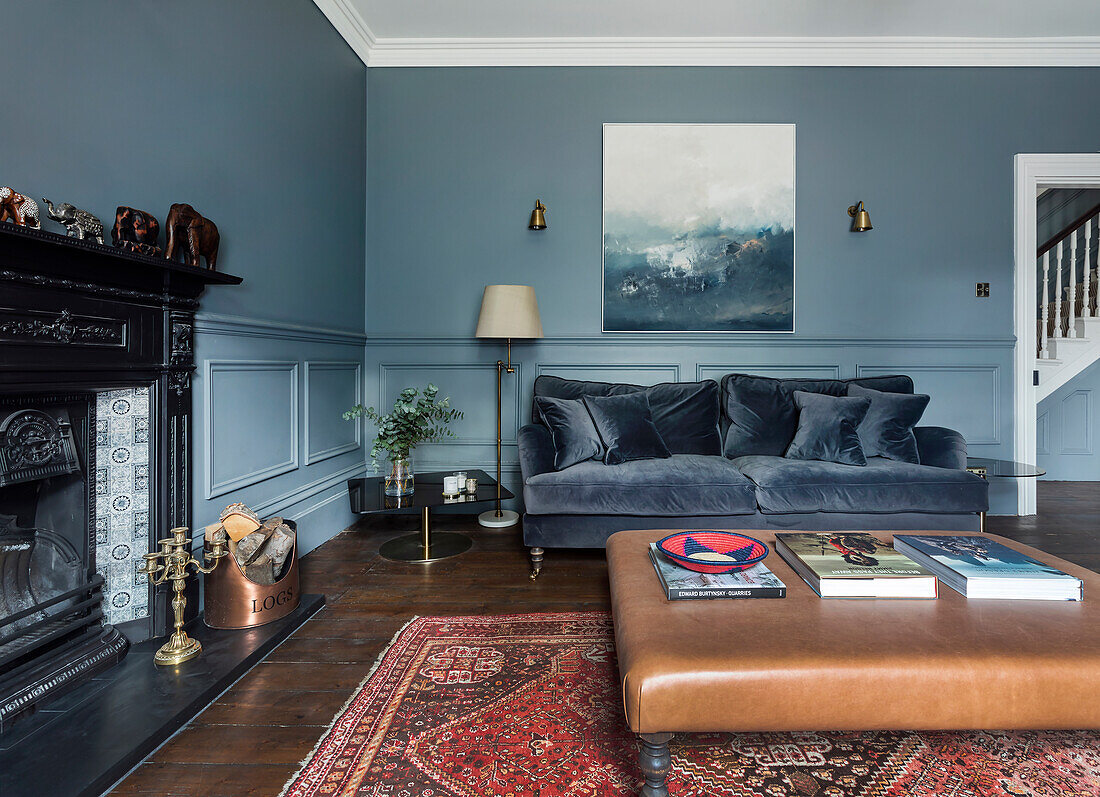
point(529, 706)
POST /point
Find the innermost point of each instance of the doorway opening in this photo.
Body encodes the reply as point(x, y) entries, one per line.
point(1057, 330)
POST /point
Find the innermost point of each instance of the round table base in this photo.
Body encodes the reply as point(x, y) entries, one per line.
point(410, 548)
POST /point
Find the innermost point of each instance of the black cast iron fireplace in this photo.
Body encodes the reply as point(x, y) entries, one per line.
point(95, 407)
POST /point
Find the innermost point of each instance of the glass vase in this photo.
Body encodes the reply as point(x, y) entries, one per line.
point(399, 477)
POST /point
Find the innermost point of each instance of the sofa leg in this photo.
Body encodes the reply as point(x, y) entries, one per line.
point(536, 562)
point(655, 761)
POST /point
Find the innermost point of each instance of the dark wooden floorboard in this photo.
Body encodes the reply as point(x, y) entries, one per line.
point(274, 716)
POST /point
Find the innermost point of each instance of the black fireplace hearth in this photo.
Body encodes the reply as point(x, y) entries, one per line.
point(95, 410)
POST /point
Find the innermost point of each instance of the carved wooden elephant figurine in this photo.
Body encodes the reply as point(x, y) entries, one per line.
point(194, 234)
point(22, 210)
point(136, 230)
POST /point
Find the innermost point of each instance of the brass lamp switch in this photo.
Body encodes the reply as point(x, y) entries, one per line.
point(981, 290)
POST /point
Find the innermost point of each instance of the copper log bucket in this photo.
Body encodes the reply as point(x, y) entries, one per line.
point(234, 601)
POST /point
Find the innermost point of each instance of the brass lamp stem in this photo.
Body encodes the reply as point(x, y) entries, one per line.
point(501, 368)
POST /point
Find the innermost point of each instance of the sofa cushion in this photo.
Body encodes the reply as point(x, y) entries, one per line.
point(761, 414)
point(887, 429)
point(827, 428)
point(571, 429)
point(625, 426)
point(683, 484)
point(685, 413)
point(791, 485)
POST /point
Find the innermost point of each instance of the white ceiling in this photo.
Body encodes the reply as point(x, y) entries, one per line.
point(646, 18)
point(719, 32)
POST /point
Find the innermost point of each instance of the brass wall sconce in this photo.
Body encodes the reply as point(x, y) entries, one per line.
point(861, 219)
point(538, 217)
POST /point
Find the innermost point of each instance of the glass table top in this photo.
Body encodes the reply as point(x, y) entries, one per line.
point(1004, 467)
point(369, 495)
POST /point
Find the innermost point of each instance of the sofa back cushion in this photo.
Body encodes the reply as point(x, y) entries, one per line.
point(685, 413)
point(571, 429)
point(761, 416)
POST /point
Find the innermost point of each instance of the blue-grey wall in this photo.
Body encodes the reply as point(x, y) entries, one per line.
point(458, 156)
point(253, 111)
point(1066, 437)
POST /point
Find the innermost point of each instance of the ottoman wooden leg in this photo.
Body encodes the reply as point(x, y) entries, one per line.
point(655, 761)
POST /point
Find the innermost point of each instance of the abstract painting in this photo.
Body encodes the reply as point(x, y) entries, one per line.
point(698, 227)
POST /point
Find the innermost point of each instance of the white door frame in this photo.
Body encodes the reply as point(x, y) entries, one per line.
point(1063, 170)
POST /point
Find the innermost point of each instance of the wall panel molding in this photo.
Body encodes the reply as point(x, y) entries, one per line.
point(992, 403)
point(1076, 431)
point(760, 340)
point(664, 372)
point(241, 326)
point(716, 371)
point(211, 370)
point(511, 384)
point(311, 367)
point(1042, 444)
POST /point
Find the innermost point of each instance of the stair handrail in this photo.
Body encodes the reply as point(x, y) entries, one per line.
point(1068, 230)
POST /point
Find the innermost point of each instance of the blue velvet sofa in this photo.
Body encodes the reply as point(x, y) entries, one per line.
point(727, 470)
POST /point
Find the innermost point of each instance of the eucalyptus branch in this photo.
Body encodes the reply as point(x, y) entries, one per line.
point(416, 418)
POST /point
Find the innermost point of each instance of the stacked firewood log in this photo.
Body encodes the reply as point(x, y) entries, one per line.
point(261, 547)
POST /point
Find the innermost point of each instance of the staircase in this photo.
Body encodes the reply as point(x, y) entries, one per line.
point(1068, 324)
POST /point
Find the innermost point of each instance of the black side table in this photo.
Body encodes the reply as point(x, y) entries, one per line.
point(1001, 469)
point(368, 497)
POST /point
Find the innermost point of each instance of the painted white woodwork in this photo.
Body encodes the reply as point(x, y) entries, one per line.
point(1071, 326)
point(1086, 292)
point(1065, 357)
point(1058, 293)
point(1044, 350)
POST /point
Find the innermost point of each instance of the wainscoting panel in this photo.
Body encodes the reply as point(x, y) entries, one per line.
point(268, 404)
point(716, 372)
point(969, 381)
point(973, 406)
point(1042, 444)
point(471, 388)
point(331, 388)
point(1077, 423)
point(630, 373)
point(251, 406)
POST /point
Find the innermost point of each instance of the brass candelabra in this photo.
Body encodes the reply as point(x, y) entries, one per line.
point(170, 563)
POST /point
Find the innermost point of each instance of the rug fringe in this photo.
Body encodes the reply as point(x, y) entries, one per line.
point(347, 704)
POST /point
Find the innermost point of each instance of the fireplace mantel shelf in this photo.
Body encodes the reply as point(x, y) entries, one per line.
point(48, 254)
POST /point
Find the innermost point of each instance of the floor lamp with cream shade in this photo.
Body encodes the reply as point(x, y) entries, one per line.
point(507, 311)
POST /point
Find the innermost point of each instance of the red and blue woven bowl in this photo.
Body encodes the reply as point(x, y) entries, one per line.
point(708, 551)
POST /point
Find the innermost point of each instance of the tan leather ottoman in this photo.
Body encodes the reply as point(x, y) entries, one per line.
point(801, 663)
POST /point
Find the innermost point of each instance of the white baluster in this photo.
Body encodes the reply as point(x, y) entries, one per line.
point(1086, 312)
point(1058, 294)
point(1088, 268)
point(1072, 323)
point(1044, 350)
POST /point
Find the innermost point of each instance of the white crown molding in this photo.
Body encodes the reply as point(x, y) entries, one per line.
point(749, 51)
point(350, 24)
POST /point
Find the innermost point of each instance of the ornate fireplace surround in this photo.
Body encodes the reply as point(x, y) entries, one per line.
point(80, 320)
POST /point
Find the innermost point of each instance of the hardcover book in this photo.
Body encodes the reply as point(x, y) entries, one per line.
point(982, 568)
point(854, 565)
point(682, 584)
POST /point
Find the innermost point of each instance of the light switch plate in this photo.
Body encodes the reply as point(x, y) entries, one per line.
point(981, 290)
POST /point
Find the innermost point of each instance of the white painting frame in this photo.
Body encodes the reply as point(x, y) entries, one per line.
point(777, 203)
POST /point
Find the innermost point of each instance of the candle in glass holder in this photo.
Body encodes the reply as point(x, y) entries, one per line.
point(461, 476)
point(471, 486)
point(450, 485)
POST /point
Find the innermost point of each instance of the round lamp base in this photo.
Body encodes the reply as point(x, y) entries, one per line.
point(490, 520)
